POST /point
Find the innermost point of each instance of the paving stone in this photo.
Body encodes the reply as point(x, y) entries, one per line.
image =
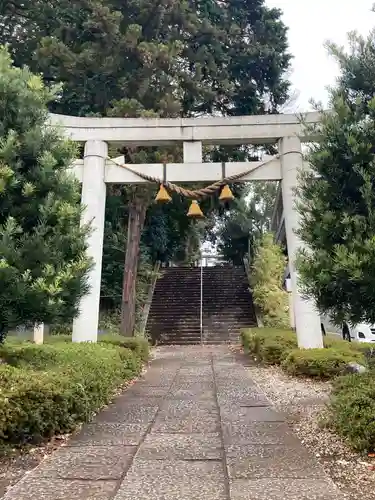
point(179, 406)
point(37, 488)
point(163, 480)
point(195, 371)
point(242, 416)
point(158, 376)
point(238, 381)
point(258, 400)
point(257, 462)
point(192, 392)
point(187, 417)
point(159, 382)
point(195, 421)
point(181, 447)
point(271, 433)
point(124, 411)
point(104, 434)
point(88, 462)
point(171, 364)
point(238, 395)
point(145, 390)
point(186, 382)
point(280, 489)
point(194, 385)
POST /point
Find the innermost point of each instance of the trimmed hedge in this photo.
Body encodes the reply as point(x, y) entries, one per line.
point(318, 363)
point(279, 347)
point(137, 344)
point(49, 389)
point(352, 410)
point(269, 345)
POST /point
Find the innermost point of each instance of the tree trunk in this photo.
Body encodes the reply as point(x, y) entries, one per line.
point(137, 214)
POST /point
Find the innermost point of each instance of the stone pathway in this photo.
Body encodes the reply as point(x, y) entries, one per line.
point(195, 427)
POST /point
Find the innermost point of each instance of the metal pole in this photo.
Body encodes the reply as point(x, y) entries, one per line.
point(201, 304)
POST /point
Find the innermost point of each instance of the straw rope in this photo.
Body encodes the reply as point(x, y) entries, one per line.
point(197, 193)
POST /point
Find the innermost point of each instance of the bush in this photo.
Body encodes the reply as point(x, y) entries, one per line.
point(343, 345)
point(268, 345)
point(277, 346)
point(352, 410)
point(267, 279)
point(49, 389)
point(318, 363)
point(137, 344)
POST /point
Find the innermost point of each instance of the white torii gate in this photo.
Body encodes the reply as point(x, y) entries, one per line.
point(96, 170)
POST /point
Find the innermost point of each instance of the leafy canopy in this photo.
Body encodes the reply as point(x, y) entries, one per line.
point(42, 250)
point(337, 204)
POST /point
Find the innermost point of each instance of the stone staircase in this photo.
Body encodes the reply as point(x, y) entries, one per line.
point(175, 310)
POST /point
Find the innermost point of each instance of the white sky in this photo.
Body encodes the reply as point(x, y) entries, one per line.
point(310, 24)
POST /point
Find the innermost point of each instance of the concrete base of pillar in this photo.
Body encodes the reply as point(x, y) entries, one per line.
point(38, 334)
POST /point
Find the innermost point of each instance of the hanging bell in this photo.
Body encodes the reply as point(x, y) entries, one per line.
point(195, 210)
point(226, 194)
point(163, 195)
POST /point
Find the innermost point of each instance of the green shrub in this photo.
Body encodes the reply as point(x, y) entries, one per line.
point(139, 345)
point(61, 329)
point(267, 279)
point(49, 389)
point(277, 346)
point(318, 363)
point(352, 410)
point(343, 345)
point(269, 345)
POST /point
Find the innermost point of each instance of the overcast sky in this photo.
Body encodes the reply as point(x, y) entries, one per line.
point(310, 24)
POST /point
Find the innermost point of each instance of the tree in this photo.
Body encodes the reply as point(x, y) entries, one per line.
point(338, 195)
point(142, 58)
point(238, 229)
point(267, 278)
point(43, 266)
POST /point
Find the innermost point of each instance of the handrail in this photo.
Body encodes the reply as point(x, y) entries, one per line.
point(147, 306)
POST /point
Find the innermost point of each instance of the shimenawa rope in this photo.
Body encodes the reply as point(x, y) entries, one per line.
point(198, 193)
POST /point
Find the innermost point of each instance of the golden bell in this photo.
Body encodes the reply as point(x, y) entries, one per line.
point(226, 194)
point(195, 210)
point(163, 195)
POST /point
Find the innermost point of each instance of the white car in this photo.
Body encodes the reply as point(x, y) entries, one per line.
point(363, 332)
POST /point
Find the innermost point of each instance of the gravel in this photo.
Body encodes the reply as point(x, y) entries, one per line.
point(304, 403)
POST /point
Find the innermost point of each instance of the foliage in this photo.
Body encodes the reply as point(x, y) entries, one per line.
point(276, 346)
point(266, 278)
point(43, 266)
point(169, 58)
point(352, 409)
point(269, 345)
point(338, 197)
point(138, 345)
point(186, 58)
point(319, 363)
point(246, 220)
point(49, 389)
point(338, 343)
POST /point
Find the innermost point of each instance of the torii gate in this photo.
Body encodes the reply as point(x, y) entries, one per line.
point(96, 170)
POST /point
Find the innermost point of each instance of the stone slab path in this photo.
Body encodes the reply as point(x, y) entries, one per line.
point(194, 427)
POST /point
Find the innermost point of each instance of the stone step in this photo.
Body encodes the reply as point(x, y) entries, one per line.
point(175, 311)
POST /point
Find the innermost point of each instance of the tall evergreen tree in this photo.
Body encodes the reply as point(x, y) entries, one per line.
point(337, 196)
point(140, 58)
point(42, 247)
